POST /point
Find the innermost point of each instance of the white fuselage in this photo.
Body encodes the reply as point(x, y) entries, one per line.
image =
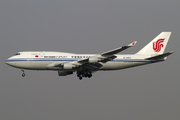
point(85, 64)
point(41, 60)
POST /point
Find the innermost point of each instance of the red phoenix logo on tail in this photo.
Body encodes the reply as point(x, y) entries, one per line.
point(158, 44)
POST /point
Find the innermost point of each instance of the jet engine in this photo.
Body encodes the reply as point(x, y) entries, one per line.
point(68, 66)
point(93, 60)
point(64, 73)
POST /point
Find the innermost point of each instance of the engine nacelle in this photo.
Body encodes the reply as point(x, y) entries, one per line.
point(64, 73)
point(68, 66)
point(93, 60)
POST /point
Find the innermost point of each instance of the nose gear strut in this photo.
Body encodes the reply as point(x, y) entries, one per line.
point(23, 74)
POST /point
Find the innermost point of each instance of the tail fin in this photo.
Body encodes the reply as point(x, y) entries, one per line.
point(157, 45)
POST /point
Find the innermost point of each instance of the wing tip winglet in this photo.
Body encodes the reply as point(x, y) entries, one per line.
point(133, 43)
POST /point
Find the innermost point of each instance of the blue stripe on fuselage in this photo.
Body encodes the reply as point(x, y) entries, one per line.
point(74, 59)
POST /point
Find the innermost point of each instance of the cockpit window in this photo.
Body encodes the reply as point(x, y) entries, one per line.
point(17, 54)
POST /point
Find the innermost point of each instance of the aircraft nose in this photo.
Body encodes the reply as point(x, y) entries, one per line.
point(9, 62)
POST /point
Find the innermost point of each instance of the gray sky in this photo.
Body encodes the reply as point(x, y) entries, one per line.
point(92, 26)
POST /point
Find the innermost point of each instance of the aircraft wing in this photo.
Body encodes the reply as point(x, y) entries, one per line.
point(95, 62)
point(117, 50)
point(106, 56)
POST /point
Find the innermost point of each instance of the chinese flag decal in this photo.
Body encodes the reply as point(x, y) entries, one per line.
point(133, 43)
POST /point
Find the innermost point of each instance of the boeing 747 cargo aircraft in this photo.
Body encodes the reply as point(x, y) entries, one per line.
point(85, 64)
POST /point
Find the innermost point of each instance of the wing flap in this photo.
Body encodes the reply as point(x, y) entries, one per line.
point(92, 67)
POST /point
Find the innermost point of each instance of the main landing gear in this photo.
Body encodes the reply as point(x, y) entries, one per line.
point(23, 74)
point(82, 74)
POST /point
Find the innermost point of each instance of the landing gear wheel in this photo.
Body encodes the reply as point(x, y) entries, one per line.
point(89, 75)
point(23, 74)
point(80, 78)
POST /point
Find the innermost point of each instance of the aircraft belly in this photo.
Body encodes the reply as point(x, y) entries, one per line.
point(17, 64)
point(43, 65)
point(38, 65)
point(120, 65)
point(33, 65)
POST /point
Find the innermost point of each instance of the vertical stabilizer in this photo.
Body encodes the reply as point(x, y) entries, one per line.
point(157, 45)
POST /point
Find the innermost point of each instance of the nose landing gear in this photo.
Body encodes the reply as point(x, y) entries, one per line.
point(23, 74)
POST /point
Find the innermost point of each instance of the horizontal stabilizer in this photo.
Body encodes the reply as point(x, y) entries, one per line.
point(160, 57)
